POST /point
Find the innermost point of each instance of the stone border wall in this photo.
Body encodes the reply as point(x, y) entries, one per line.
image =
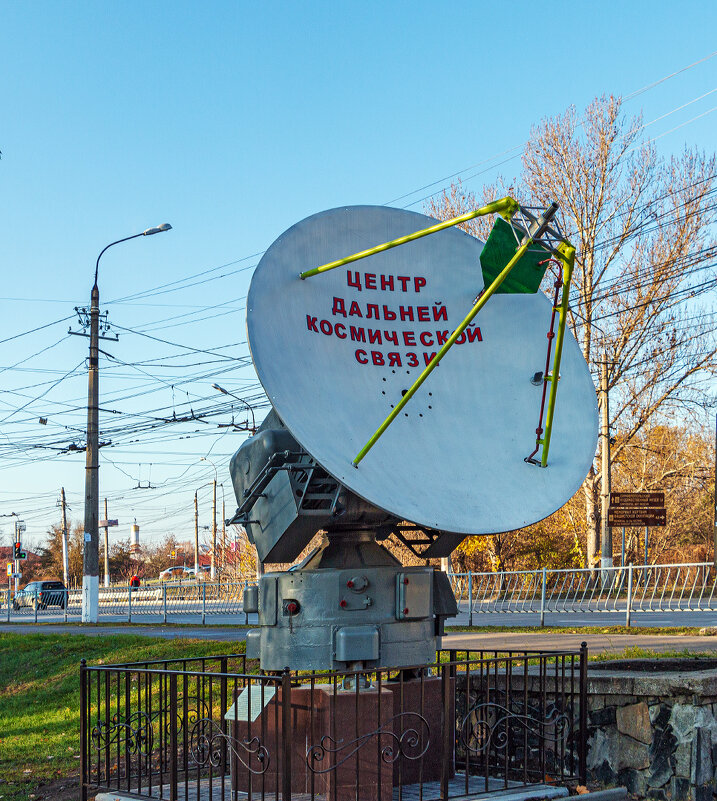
point(654, 733)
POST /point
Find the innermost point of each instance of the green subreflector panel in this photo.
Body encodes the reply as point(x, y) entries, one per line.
point(525, 277)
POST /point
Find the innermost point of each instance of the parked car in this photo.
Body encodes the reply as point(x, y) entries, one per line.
point(191, 573)
point(175, 572)
point(41, 594)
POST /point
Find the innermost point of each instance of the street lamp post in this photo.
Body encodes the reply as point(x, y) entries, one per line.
point(232, 395)
point(252, 430)
point(91, 550)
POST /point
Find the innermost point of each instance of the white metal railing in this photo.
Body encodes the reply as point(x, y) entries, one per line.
point(188, 602)
point(689, 587)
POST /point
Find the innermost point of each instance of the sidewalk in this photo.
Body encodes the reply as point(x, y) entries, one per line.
point(501, 641)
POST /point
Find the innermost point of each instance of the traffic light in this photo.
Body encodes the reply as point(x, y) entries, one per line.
point(18, 550)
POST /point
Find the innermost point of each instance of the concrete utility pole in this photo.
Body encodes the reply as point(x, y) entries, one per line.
point(214, 530)
point(107, 547)
point(714, 527)
point(90, 550)
point(196, 536)
point(91, 545)
point(16, 562)
point(65, 549)
point(224, 534)
point(606, 538)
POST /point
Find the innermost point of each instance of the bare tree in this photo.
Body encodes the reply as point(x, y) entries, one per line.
point(641, 227)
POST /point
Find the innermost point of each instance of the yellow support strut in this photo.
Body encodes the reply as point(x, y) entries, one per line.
point(480, 303)
point(566, 253)
point(505, 207)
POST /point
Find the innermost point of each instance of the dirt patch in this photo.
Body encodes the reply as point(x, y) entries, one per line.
point(67, 789)
point(657, 665)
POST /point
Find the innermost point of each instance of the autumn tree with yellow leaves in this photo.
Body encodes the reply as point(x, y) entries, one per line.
point(641, 225)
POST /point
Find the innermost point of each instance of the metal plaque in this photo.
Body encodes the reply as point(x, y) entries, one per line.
point(336, 351)
point(642, 499)
point(635, 516)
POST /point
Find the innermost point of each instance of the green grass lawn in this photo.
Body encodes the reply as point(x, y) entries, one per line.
point(40, 701)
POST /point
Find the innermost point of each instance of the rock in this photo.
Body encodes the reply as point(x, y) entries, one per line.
point(660, 773)
point(598, 749)
point(635, 781)
point(630, 753)
point(660, 715)
point(679, 789)
point(654, 792)
point(702, 770)
point(603, 717)
point(682, 760)
point(682, 722)
point(703, 792)
point(603, 774)
point(661, 759)
point(705, 718)
point(634, 721)
point(606, 746)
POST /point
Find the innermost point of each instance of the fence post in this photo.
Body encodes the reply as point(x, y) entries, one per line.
point(470, 598)
point(129, 604)
point(66, 593)
point(246, 614)
point(542, 598)
point(204, 603)
point(36, 604)
point(286, 738)
point(164, 602)
point(583, 746)
point(628, 610)
point(173, 736)
point(83, 729)
point(447, 735)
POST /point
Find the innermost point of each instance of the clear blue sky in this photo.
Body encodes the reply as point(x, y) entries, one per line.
point(232, 121)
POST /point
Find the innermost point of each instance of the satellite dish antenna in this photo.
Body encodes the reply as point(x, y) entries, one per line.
point(406, 365)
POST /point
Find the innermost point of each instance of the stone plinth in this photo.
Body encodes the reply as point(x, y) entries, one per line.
point(423, 699)
point(341, 739)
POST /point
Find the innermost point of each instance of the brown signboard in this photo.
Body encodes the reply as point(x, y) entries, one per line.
point(649, 500)
point(634, 516)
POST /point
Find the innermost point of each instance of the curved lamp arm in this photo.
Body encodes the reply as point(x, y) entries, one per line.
point(158, 229)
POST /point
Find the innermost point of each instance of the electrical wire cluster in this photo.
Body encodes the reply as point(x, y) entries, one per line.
point(164, 431)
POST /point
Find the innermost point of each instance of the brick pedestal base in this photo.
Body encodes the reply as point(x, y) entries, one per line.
point(341, 739)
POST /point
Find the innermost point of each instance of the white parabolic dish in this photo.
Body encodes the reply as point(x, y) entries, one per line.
point(333, 358)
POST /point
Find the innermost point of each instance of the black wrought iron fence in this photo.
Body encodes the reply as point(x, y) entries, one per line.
point(218, 728)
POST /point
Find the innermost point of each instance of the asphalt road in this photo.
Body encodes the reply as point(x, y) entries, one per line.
point(522, 619)
point(503, 641)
